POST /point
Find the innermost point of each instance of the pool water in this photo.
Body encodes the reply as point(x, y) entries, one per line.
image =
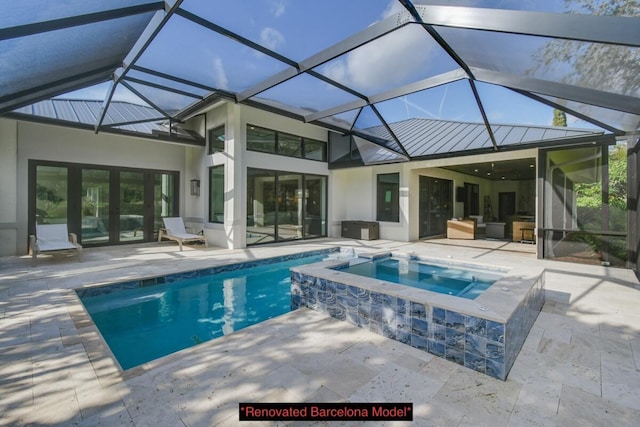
point(146, 323)
point(462, 282)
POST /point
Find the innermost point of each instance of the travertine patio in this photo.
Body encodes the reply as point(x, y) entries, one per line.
point(580, 364)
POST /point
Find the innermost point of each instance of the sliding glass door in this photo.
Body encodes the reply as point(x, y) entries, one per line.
point(51, 199)
point(131, 206)
point(102, 205)
point(285, 206)
point(95, 206)
point(436, 205)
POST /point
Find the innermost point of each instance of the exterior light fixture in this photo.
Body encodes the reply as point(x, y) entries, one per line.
point(195, 187)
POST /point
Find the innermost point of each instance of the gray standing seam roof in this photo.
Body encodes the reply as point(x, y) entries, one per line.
point(432, 137)
point(122, 116)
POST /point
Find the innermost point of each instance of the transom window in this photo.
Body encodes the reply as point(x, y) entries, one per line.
point(285, 144)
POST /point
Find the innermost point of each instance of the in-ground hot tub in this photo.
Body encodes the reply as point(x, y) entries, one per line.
point(484, 333)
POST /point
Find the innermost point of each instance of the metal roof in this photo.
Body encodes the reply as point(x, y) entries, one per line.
point(347, 66)
point(123, 117)
point(430, 138)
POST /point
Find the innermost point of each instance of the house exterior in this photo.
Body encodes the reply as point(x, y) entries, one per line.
point(256, 130)
point(265, 178)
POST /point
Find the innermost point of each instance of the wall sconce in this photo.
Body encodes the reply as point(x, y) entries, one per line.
point(195, 187)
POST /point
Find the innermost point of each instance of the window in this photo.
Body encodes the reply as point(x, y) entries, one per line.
point(284, 144)
point(216, 194)
point(289, 145)
point(216, 139)
point(315, 150)
point(260, 139)
point(389, 197)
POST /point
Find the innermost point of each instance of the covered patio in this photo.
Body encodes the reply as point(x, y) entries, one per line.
point(579, 365)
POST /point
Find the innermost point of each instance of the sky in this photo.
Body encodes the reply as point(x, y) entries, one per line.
point(402, 57)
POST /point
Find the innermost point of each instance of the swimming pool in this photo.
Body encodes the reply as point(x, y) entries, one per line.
point(457, 281)
point(147, 319)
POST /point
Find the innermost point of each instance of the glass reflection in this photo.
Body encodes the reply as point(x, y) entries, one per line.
point(131, 206)
point(95, 206)
point(565, 61)
point(290, 203)
point(261, 206)
point(164, 199)
point(51, 195)
point(315, 199)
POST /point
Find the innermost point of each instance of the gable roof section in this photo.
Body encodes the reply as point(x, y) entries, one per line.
point(440, 138)
point(125, 117)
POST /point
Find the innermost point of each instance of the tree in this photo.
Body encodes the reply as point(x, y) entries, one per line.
point(589, 195)
point(559, 118)
point(593, 65)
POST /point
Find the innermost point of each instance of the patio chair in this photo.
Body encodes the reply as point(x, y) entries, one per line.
point(52, 238)
point(174, 229)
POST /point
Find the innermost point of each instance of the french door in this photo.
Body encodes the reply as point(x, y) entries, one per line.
point(102, 205)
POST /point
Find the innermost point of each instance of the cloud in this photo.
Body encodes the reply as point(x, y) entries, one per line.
point(271, 38)
point(277, 7)
point(219, 75)
point(392, 8)
point(392, 60)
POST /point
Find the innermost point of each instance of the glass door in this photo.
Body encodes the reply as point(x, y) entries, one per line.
point(164, 199)
point(261, 206)
point(131, 207)
point(315, 195)
point(95, 206)
point(290, 198)
point(51, 195)
point(103, 205)
point(436, 205)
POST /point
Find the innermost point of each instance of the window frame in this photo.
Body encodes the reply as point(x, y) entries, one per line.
point(211, 214)
point(301, 153)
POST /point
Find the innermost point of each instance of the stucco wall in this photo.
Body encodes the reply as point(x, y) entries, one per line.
point(355, 199)
point(9, 187)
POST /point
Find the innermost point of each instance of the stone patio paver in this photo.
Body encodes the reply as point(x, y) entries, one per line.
point(580, 364)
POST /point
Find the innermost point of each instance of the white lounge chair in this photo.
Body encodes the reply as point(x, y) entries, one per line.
point(53, 238)
point(174, 229)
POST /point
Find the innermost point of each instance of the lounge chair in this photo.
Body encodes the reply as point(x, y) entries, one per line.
point(51, 238)
point(174, 229)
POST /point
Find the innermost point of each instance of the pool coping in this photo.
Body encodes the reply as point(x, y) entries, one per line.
point(496, 303)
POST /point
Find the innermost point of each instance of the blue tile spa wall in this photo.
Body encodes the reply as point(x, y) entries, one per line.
point(476, 343)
